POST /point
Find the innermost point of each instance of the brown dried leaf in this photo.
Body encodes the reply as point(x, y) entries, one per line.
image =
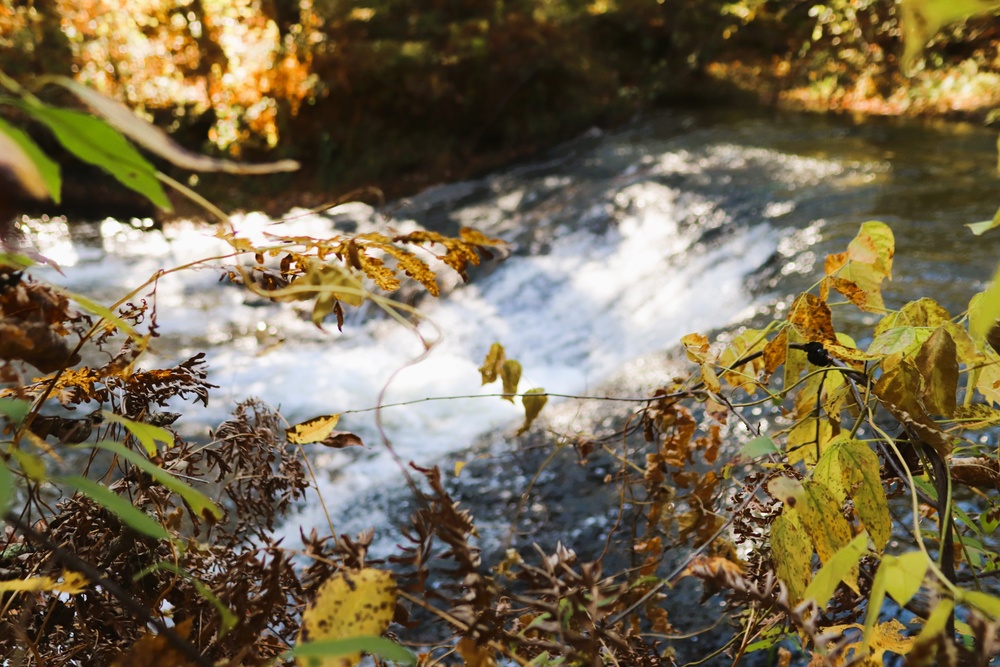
point(937, 361)
point(157, 651)
point(341, 439)
point(811, 317)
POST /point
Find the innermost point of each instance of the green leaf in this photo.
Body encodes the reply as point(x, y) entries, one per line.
point(159, 142)
point(147, 434)
point(95, 142)
point(989, 521)
point(510, 374)
point(332, 648)
point(988, 604)
point(31, 464)
point(15, 409)
point(875, 599)
point(199, 503)
point(904, 575)
point(132, 516)
point(533, 400)
point(842, 567)
point(6, 487)
point(229, 619)
point(932, 630)
point(898, 339)
point(759, 446)
point(101, 311)
point(36, 172)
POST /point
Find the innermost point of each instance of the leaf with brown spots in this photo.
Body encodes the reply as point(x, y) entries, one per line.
point(348, 604)
point(811, 317)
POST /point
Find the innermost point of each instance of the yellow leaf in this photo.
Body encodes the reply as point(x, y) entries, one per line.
point(824, 521)
point(775, 352)
point(850, 467)
point(510, 375)
point(312, 430)
point(807, 441)
point(984, 310)
point(976, 416)
point(458, 467)
point(696, 347)
point(533, 400)
point(796, 361)
point(862, 284)
point(923, 312)
point(843, 567)
point(745, 344)
point(874, 245)
point(348, 604)
point(710, 379)
point(788, 490)
point(988, 379)
point(792, 556)
point(491, 366)
point(885, 637)
point(73, 583)
point(858, 273)
point(475, 655)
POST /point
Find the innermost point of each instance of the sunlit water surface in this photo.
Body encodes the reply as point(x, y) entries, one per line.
point(621, 244)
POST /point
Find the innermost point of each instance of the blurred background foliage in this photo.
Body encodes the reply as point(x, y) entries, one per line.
point(403, 93)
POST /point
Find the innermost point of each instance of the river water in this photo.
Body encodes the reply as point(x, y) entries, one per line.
point(621, 243)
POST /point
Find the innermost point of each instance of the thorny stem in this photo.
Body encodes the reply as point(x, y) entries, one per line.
point(94, 575)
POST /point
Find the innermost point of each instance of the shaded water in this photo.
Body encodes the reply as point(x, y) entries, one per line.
point(621, 244)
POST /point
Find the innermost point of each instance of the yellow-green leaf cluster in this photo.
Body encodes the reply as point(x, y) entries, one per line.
point(495, 366)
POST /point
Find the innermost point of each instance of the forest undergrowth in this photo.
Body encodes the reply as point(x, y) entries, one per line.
point(870, 481)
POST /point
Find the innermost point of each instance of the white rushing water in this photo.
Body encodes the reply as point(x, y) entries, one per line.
point(603, 271)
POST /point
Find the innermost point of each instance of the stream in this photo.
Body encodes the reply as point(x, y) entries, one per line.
point(621, 243)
